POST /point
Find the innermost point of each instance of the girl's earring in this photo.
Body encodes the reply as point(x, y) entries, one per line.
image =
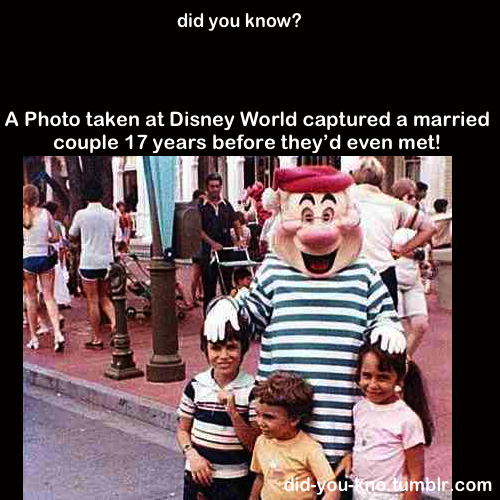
point(398, 389)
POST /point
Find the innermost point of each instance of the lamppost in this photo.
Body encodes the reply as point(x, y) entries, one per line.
point(165, 364)
point(122, 366)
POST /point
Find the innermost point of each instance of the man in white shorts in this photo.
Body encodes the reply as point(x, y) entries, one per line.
point(96, 227)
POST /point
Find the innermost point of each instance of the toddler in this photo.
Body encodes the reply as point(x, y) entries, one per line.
point(285, 456)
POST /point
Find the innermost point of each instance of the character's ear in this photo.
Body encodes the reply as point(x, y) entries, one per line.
point(271, 200)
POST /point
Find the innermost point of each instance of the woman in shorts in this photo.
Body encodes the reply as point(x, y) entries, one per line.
point(38, 231)
point(412, 304)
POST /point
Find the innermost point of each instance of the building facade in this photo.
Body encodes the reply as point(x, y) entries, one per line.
point(239, 172)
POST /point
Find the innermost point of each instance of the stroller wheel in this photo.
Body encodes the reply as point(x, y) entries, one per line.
point(181, 315)
point(131, 312)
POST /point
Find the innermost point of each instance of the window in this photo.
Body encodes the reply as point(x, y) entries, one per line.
point(412, 167)
point(130, 192)
point(260, 168)
point(319, 160)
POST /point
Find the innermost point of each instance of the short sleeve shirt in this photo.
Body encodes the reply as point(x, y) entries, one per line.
point(287, 463)
point(97, 226)
point(212, 433)
point(381, 216)
point(217, 222)
point(382, 434)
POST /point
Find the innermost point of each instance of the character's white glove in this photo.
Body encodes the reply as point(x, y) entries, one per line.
point(392, 340)
point(215, 322)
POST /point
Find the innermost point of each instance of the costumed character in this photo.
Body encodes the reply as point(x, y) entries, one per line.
point(314, 299)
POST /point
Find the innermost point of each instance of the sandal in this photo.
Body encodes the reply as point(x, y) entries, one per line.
point(98, 346)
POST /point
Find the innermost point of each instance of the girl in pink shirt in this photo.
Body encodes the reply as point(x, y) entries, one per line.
point(392, 423)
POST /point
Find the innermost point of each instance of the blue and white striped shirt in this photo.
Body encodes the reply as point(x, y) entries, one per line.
point(212, 433)
point(314, 327)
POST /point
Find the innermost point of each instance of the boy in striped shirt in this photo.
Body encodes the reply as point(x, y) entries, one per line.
point(214, 428)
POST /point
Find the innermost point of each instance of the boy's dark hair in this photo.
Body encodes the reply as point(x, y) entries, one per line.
point(241, 335)
point(92, 190)
point(440, 205)
point(240, 216)
point(414, 391)
point(213, 176)
point(288, 390)
point(51, 206)
point(422, 186)
point(241, 273)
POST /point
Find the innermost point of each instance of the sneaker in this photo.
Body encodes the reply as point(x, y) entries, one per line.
point(33, 344)
point(58, 343)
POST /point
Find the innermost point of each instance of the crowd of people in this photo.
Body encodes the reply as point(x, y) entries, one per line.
point(87, 245)
point(250, 437)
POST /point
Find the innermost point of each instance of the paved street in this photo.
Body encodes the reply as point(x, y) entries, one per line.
point(78, 451)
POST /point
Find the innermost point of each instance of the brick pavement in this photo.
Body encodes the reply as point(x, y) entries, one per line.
point(84, 370)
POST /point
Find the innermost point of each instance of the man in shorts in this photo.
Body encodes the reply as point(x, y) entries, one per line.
point(96, 227)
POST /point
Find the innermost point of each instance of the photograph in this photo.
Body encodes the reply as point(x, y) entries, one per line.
point(237, 327)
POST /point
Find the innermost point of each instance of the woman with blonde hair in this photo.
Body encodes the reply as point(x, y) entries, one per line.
point(38, 231)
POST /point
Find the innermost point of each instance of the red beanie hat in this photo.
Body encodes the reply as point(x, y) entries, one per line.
point(321, 179)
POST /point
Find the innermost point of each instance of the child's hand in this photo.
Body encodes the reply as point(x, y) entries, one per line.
point(201, 468)
point(345, 465)
point(227, 399)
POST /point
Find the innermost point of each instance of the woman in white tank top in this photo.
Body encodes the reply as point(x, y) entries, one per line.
point(38, 231)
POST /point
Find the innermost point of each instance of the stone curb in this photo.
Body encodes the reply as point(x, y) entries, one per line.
point(145, 410)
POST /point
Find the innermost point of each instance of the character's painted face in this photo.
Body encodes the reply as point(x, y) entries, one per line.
point(309, 235)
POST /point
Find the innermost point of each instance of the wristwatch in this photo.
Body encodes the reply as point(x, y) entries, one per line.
point(186, 448)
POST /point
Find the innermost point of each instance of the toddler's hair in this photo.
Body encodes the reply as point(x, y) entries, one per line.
point(241, 273)
point(288, 390)
point(414, 390)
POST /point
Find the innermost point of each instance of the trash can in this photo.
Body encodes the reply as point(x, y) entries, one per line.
point(187, 226)
point(443, 257)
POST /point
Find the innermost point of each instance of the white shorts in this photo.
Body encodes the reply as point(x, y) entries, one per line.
point(412, 301)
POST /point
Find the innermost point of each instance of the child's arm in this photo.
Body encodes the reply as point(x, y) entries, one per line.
point(332, 495)
point(257, 487)
point(201, 468)
point(415, 470)
point(345, 465)
point(245, 432)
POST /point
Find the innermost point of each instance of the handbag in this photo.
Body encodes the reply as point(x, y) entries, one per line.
point(52, 255)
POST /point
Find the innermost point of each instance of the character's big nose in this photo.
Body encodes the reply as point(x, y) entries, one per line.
point(319, 237)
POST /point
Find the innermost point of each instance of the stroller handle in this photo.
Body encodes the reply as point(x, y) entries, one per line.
point(233, 248)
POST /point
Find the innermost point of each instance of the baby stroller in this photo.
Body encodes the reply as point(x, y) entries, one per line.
point(231, 258)
point(140, 285)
